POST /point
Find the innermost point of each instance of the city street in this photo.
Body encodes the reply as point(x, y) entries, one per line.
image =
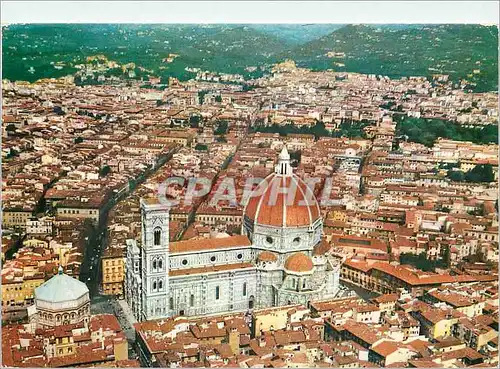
point(102, 304)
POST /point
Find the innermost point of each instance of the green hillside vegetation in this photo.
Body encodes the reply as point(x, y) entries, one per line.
point(297, 33)
point(463, 51)
point(456, 50)
point(426, 131)
point(222, 48)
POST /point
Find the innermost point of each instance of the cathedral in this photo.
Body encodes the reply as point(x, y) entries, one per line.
point(276, 261)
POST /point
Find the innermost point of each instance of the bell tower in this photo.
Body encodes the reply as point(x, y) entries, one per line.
point(155, 250)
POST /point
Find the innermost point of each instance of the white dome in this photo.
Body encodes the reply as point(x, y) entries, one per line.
point(61, 288)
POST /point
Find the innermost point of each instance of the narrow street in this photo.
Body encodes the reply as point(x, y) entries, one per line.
point(90, 272)
point(102, 304)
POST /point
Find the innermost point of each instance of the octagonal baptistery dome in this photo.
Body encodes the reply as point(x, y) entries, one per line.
point(62, 300)
point(282, 214)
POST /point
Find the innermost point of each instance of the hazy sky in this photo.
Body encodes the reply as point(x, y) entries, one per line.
point(485, 12)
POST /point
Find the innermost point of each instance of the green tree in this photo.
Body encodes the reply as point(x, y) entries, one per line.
point(201, 95)
point(480, 173)
point(105, 170)
point(222, 127)
point(201, 147)
point(426, 131)
point(194, 121)
point(456, 175)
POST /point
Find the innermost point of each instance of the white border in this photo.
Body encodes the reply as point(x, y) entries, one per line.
point(340, 12)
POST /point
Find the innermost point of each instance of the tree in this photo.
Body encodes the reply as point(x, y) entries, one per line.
point(456, 175)
point(480, 173)
point(10, 128)
point(218, 98)
point(222, 126)
point(194, 121)
point(421, 262)
point(105, 170)
point(201, 95)
point(58, 110)
point(201, 147)
point(426, 131)
point(296, 155)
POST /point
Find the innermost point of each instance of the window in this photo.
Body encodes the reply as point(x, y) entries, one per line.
point(160, 285)
point(293, 283)
point(157, 237)
point(171, 303)
point(239, 256)
point(160, 264)
point(296, 240)
point(217, 292)
point(184, 262)
point(154, 264)
point(154, 286)
point(304, 283)
point(212, 259)
point(191, 300)
point(269, 240)
point(245, 289)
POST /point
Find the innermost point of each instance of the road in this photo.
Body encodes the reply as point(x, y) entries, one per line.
point(90, 271)
point(102, 304)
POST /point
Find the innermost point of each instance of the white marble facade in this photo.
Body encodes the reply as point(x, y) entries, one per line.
point(271, 266)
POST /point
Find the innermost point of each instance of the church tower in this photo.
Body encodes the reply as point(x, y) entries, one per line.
point(155, 249)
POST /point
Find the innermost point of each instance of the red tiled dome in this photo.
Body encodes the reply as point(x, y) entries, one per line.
point(295, 207)
point(267, 256)
point(299, 262)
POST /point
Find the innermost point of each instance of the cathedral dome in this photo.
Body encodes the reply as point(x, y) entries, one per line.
point(299, 263)
point(267, 256)
point(283, 199)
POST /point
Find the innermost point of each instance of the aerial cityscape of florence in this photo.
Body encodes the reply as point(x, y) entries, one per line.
point(266, 184)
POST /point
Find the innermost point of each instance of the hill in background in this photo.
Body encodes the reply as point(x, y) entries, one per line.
point(466, 52)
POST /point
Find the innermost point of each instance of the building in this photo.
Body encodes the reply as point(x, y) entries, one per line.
point(113, 271)
point(61, 300)
point(387, 278)
point(18, 290)
point(79, 210)
point(16, 217)
point(272, 263)
point(98, 343)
